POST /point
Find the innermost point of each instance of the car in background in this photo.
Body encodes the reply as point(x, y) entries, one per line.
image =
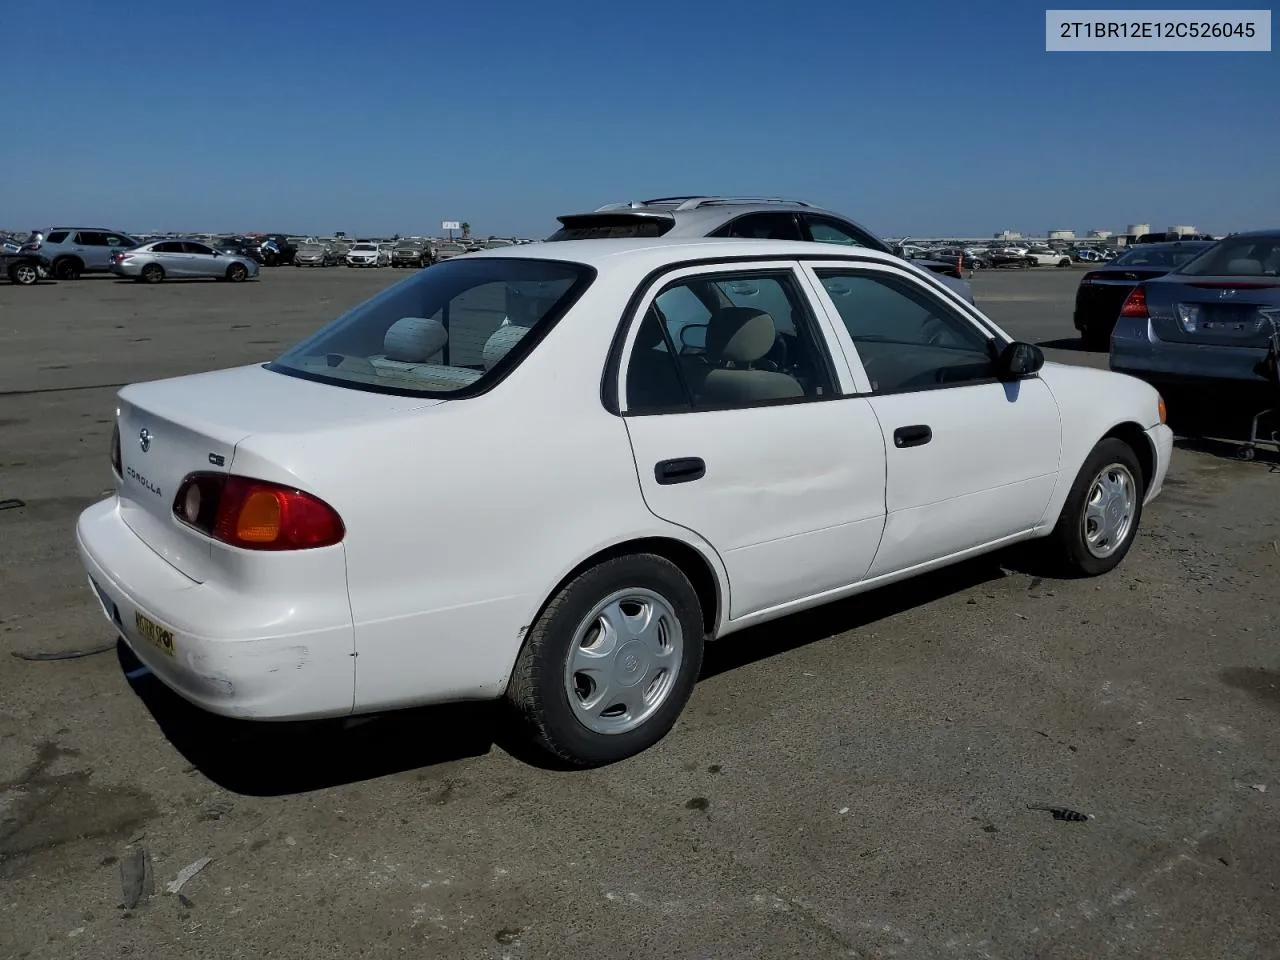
point(766, 218)
point(366, 253)
point(312, 253)
point(73, 251)
point(1103, 290)
point(1038, 256)
point(240, 247)
point(275, 250)
point(493, 243)
point(24, 267)
point(181, 259)
point(411, 253)
point(270, 523)
point(1207, 334)
point(450, 249)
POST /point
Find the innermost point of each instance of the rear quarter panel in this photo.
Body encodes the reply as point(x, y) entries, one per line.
point(1092, 403)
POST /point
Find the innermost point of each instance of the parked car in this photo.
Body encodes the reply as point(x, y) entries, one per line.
point(271, 522)
point(178, 259)
point(1103, 290)
point(77, 250)
point(738, 217)
point(314, 254)
point(1038, 256)
point(411, 253)
point(24, 267)
point(275, 250)
point(367, 254)
point(450, 249)
point(240, 247)
point(1207, 333)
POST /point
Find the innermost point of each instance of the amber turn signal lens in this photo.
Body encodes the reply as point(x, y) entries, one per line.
point(259, 519)
point(1164, 416)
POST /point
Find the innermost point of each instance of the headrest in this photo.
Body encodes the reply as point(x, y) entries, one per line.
point(414, 339)
point(500, 343)
point(1243, 267)
point(740, 334)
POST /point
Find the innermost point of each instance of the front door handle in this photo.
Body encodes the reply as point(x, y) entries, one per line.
point(681, 470)
point(913, 436)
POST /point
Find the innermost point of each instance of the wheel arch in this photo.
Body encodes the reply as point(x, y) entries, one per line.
point(1132, 434)
point(704, 575)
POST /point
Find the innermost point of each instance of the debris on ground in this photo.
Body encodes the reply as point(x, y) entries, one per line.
point(1061, 813)
point(187, 872)
point(12, 504)
point(65, 654)
point(135, 878)
point(1260, 787)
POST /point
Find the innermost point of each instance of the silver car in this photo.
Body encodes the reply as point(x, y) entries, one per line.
point(182, 260)
point(311, 254)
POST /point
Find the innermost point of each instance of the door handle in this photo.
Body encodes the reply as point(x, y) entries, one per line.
point(681, 470)
point(913, 436)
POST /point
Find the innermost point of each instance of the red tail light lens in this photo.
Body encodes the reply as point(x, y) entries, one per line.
point(1135, 305)
point(115, 450)
point(255, 514)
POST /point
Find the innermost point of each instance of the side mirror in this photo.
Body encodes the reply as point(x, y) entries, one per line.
point(1019, 360)
point(693, 336)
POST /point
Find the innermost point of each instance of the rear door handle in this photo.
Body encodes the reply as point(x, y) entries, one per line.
point(681, 470)
point(913, 436)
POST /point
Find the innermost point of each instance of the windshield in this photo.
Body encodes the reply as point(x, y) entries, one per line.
point(445, 331)
point(1239, 256)
point(1153, 256)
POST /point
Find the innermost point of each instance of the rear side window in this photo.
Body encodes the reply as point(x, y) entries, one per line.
point(59, 236)
point(762, 226)
point(168, 246)
point(91, 238)
point(447, 331)
point(612, 226)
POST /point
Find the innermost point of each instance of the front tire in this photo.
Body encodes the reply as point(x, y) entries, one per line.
point(1100, 519)
point(237, 272)
point(611, 661)
point(24, 274)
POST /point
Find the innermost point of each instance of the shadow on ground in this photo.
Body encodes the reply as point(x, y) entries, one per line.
point(277, 759)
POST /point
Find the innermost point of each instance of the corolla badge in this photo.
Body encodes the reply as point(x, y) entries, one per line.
point(144, 439)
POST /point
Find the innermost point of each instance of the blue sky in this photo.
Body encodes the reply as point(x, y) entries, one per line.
point(383, 116)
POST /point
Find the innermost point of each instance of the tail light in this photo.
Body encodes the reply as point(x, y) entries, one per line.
point(255, 514)
point(1135, 305)
point(115, 450)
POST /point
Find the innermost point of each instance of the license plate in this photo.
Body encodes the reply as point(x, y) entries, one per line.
point(154, 634)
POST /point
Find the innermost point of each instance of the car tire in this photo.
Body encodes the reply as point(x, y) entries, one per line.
point(1064, 262)
point(236, 273)
point(556, 704)
point(68, 268)
point(24, 274)
point(1100, 518)
point(151, 273)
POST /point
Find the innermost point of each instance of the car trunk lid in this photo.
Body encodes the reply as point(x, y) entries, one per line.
point(1215, 311)
point(170, 429)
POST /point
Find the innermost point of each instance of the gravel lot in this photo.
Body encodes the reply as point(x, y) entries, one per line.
point(852, 782)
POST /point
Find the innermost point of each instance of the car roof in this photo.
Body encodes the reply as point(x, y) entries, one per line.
point(1268, 233)
point(659, 251)
point(702, 212)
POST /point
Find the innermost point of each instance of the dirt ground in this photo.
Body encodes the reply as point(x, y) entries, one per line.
point(852, 782)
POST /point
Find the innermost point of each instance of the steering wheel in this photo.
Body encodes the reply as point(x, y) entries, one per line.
point(776, 358)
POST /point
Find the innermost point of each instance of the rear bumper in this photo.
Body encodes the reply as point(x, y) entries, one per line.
point(230, 653)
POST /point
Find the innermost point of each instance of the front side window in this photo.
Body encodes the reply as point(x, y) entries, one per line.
point(906, 339)
point(720, 340)
point(447, 331)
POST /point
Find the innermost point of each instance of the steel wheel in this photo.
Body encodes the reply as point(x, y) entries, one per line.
point(1109, 509)
point(623, 661)
point(24, 274)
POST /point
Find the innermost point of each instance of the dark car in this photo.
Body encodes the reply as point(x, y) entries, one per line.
point(411, 253)
point(1102, 291)
point(240, 246)
point(24, 266)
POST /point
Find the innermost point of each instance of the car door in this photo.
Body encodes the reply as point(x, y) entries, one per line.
point(91, 247)
point(172, 257)
point(751, 439)
point(971, 460)
point(201, 262)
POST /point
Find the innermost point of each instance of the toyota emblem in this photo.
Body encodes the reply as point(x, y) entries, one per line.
point(144, 439)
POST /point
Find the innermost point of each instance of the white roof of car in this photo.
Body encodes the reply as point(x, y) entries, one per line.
point(656, 252)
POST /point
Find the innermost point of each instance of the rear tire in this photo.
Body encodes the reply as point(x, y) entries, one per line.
point(68, 268)
point(151, 273)
point(635, 626)
point(1064, 262)
point(1100, 519)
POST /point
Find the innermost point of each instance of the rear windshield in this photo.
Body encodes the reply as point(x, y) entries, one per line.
point(611, 226)
point(1237, 257)
point(1150, 256)
point(446, 331)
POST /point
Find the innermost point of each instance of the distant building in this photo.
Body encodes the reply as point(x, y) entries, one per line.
point(1182, 230)
point(1008, 235)
point(1138, 229)
point(1100, 234)
point(1062, 234)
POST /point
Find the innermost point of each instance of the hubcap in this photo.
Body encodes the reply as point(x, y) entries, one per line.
point(1108, 510)
point(623, 663)
point(26, 273)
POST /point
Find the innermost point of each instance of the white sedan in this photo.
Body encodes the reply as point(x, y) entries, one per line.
point(553, 474)
point(368, 255)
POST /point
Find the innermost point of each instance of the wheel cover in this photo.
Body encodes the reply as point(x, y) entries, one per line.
point(1107, 519)
point(624, 661)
